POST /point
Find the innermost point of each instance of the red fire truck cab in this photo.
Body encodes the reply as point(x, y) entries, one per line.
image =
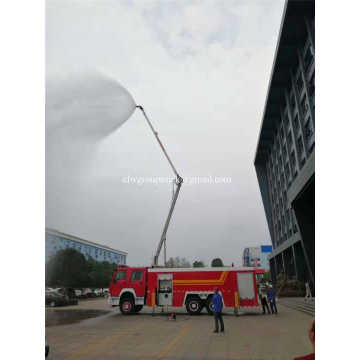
point(133, 287)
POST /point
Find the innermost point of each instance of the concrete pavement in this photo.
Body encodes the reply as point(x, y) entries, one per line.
point(141, 336)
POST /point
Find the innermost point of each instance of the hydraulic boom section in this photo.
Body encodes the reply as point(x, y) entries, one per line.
point(178, 181)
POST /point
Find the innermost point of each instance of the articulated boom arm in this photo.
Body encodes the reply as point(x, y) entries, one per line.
point(178, 181)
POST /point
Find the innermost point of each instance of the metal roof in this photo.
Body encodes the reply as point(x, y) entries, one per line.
point(90, 243)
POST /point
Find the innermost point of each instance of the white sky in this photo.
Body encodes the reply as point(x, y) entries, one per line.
point(201, 72)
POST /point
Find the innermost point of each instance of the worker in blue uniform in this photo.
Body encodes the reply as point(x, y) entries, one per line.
point(217, 307)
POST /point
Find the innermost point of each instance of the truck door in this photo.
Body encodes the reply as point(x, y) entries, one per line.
point(246, 287)
point(137, 282)
point(119, 282)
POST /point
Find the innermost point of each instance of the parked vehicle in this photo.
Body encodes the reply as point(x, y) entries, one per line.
point(54, 298)
point(89, 294)
point(132, 288)
point(79, 294)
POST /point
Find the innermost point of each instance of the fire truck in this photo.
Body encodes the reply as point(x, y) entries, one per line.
point(132, 288)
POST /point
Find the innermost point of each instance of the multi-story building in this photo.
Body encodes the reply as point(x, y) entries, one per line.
point(257, 255)
point(55, 240)
point(285, 155)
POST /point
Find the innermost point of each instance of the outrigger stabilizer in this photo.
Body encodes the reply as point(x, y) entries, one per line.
point(177, 181)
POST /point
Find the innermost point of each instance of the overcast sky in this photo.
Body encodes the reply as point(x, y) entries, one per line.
point(201, 72)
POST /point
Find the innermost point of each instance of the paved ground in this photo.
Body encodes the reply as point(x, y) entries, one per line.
point(142, 336)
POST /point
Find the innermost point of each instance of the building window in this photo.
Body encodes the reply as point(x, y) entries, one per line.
point(74, 245)
point(304, 104)
point(285, 197)
point(277, 209)
point(303, 161)
point(300, 144)
point(312, 148)
point(290, 138)
point(284, 150)
point(287, 121)
point(295, 229)
point(312, 86)
point(288, 215)
point(277, 170)
point(287, 169)
point(79, 248)
point(280, 160)
point(296, 123)
point(295, 174)
point(292, 104)
point(300, 83)
point(283, 179)
point(292, 159)
point(309, 58)
point(308, 130)
point(279, 225)
point(68, 245)
point(283, 221)
point(290, 184)
point(52, 241)
point(278, 185)
point(136, 275)
point(281, 202)
point(290, 232)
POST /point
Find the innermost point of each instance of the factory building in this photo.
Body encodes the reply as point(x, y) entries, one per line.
point(257, 256)
point(55, 240)
point(285, 154)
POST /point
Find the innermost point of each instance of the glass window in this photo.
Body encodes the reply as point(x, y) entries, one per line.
point(308, 130)
point(292, 104)
point(296, 123)
point(300, 144)
point(303, 161)
point(312, 148)
point(292, 158)
point(284, 150)
point(285, 197)
point(304, 104)
point(312, 85)
point(120, 275)
point(287, 169)
point(309, 58)
point(287, 121)
point(290, 138)
point(300, 83)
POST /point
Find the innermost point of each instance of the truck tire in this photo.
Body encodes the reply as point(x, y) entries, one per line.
point(127, 306)
point(138, 308)
point(194, 306)
point(209, 305)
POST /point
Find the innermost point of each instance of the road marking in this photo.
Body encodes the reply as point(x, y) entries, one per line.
point(92, 347)
point(174, 342)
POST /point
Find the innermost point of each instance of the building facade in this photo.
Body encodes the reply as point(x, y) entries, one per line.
point(257, 255)
point(55, 240)
point(285, 155)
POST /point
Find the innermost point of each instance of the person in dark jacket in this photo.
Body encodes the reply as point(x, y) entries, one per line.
point(217, 306)
point(272, 301)
point(263, 301)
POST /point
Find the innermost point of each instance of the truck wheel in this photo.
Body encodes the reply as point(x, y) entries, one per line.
point(138, 308)
point(209, 306)
point(127, 306)
point(194, 306)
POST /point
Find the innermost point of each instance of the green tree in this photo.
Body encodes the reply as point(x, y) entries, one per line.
point(199, 264)
point(217, 263)
point(178, 263)
point(68, 268)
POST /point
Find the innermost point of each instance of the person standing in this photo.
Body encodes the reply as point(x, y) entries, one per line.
point(217, 306)
point(272, 300)
point(308, 291)
point(263, 301)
